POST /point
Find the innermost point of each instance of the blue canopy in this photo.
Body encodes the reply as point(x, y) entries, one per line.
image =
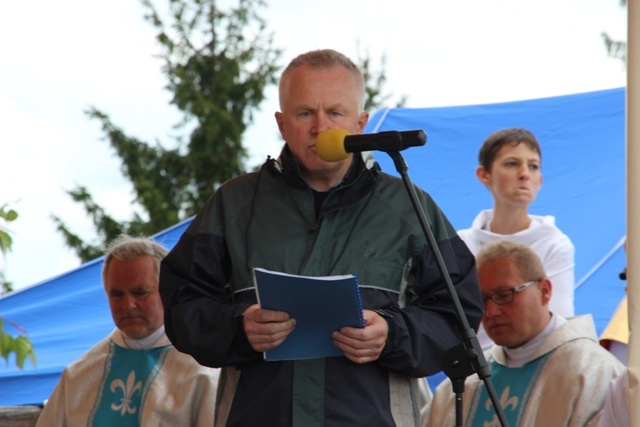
point(64, 317)
point(582, 138)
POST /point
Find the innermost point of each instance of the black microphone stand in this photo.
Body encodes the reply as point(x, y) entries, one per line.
point(466, 358)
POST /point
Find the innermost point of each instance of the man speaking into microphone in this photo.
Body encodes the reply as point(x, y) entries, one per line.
point(307, 215)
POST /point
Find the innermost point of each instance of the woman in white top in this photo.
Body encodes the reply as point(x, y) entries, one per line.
point(510, 167)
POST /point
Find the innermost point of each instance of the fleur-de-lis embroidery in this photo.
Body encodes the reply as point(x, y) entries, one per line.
point(505, 402)
point(128, 390)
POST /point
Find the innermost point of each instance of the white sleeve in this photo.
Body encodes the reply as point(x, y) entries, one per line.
point(614, 413)
point(560, 268)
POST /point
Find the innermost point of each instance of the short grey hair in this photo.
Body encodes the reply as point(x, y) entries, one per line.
point(526, 260)
point(325, 58)
point(128, 248)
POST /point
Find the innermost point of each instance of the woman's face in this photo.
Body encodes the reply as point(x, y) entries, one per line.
point(515, 176)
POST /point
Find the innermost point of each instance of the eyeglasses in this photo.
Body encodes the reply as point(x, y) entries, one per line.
point(506, 296)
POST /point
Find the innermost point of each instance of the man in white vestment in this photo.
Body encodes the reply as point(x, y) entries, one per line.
point(615, 412)
point(546, 370)
point(133, 377)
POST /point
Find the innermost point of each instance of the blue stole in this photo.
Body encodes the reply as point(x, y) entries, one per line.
point(127, 378)
point(513, 388)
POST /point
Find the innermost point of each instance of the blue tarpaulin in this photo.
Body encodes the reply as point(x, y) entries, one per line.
point(583, 164)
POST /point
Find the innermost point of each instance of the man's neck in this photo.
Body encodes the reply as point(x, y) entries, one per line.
point(516, 357)
point(143, 343)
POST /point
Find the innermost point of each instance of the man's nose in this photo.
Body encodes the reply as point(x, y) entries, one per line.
point(128, 301)
point(491, 309)
point(322, 122)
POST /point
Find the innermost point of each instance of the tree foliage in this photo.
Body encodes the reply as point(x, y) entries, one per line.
point(616, 48)
point(7, 215)
point(375, 81)
point(218, 64)
point(19, 345)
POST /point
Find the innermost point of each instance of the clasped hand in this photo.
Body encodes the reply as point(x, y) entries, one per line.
point(267, 329)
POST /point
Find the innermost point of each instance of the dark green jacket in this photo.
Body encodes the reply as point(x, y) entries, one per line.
point(367, 226)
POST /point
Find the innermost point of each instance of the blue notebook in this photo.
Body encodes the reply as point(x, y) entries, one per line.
point(320, 306)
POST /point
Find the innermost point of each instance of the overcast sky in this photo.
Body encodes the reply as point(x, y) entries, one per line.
point(58, 58)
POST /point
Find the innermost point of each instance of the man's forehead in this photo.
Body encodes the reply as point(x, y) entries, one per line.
point(499, 279)
point(130, 287)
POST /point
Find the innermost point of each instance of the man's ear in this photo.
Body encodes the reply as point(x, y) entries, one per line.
point(545, 290)
point(362, 121)
point(280, 122)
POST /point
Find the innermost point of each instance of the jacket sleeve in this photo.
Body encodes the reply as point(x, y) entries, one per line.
point(559, 265)
point(428, 325)
point(201, 317)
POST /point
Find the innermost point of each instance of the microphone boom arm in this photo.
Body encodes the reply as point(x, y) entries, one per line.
point(387, 141)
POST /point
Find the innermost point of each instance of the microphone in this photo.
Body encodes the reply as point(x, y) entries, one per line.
point(334, 145)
